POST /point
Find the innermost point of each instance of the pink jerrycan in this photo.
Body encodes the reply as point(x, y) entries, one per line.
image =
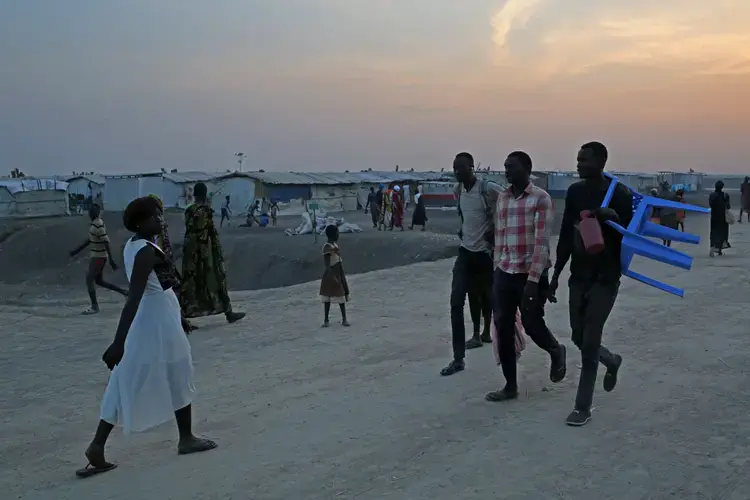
point(591, 233)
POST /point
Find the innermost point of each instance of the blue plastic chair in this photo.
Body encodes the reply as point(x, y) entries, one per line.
point(635, 238)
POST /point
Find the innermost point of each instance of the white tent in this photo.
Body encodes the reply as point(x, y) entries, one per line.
point(33, 198)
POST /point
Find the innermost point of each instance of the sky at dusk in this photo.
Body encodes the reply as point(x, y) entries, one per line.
point(139, 85)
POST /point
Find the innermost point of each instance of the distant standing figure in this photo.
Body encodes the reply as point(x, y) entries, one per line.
point(373, 206)
point(745, 199)
point(386, 219)
point(397, 204)
point(225, 212)
point(150, 357)
point(419, 217)
point(718, 201)
point(681, 213)
point(668, 216)
point(380, 206)
point(98, 241)
point(333, 285)
point(204, 288)
point(274, 212)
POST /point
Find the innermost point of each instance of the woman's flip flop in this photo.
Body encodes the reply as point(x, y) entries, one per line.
point(91, 470)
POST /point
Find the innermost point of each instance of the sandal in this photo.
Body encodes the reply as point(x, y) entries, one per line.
point(90, 311)
point(95, 454)
point(233, 317)
point(93, 470)
point(195, 445)
point(473, 343)
point(453, 367)
point(501, 395)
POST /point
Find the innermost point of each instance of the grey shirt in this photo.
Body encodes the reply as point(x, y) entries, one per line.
point(475, 224)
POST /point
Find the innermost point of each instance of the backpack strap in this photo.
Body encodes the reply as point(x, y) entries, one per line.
point(457, 195)
point(486, 205)
point(488, 211)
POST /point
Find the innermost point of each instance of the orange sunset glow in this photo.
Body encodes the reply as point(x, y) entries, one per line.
point(335, 84)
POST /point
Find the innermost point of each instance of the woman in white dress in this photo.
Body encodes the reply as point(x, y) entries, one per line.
point(150, 359)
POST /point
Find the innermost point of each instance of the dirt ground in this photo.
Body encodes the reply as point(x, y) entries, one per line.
point(34, 253)
point(301, 412)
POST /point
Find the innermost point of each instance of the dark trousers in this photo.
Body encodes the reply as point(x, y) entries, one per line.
point(375, 214)
point(95, 276)
point(472, 273)
point(480, 308)
point(590, 305)
point(507, 295)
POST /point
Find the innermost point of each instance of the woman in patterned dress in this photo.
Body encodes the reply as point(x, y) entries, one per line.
point(203, 291)
point(163, 241)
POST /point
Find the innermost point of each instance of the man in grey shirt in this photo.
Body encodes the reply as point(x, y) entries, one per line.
point(473, 269)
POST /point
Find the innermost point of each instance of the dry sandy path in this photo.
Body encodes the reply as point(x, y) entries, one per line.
point(302, 413)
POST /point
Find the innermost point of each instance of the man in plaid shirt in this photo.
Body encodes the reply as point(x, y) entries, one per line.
point(523, 222)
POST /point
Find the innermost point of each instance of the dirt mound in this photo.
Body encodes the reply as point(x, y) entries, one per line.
point(35, 252)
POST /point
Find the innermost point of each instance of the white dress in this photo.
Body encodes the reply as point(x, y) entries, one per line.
point(155, 376)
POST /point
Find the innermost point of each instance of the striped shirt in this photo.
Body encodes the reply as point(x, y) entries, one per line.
point(98, 239)
point(522, 232)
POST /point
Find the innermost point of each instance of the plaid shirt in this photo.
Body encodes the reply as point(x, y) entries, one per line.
point(522, 232)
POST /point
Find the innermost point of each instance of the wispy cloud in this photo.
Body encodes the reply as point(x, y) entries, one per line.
point(513, 15)
point(701, 40)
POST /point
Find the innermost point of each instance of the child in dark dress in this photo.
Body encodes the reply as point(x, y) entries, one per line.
point(333, 285)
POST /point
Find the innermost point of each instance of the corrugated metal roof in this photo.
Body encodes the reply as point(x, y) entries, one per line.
point(187, 177)
point(26, 184)
point(95, 178)
point(126, 175)
point(294, 178)
point(279, 177)
point(332, 178)
point(411, 176)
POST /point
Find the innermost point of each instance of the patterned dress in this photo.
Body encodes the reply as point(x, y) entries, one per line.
point(333, 286)
point(203, 291)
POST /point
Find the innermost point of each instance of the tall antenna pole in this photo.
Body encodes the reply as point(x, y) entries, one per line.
point(240, 158)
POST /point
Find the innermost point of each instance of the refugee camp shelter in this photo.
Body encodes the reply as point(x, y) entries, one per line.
point(30, 197)
point(691, 182)
point(331, 191)
point(121, 189)
point(177, 189)
point(83, 190)
point(293, 190)
point(373, 179)
point(89, 185)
